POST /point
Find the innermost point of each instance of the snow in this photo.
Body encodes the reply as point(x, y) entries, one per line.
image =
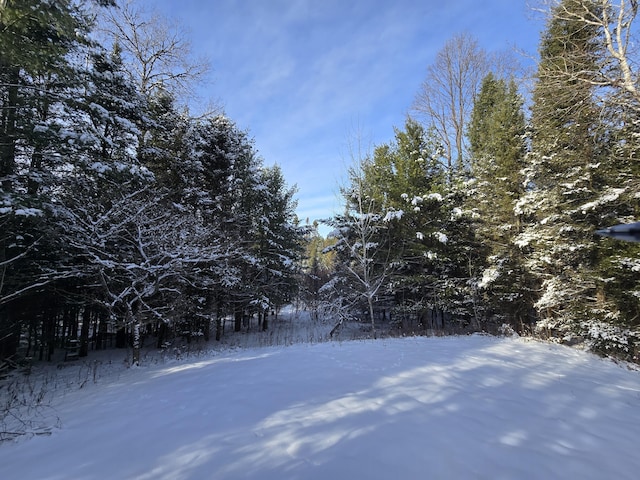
point(441, 237)
point(434, 196)
point(610, 196)
point(100, 167)
point(393, 215)
point(407, 408)
point(489, 275)
point(525, 239)
point(28, 212)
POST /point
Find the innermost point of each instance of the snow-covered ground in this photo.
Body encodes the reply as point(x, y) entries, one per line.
point(472, 407)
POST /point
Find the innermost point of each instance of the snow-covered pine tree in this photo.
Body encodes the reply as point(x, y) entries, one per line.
point(406, 179)
point(498, 147)
point(615, 327)
point(165, 150)
point(564, 173)
point(226, 190)
point(38, 84)
point(277, 242)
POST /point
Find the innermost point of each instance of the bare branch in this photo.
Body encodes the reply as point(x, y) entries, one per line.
point(446, 96)
point(615, 21)
point(158, 51)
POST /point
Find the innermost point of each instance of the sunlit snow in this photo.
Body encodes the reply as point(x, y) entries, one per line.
point(441, 237)
point(411, 408)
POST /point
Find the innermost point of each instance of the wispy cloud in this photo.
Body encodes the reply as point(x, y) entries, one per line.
point(299, 73)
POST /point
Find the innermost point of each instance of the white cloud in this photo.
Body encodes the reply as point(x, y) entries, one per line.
point(298, 74)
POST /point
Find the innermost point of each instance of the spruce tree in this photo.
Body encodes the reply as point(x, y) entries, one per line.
point(38, 40)
point(404, 179)
point(277, 241)
point(569, 149)
point(615, 327)
point(496, 137)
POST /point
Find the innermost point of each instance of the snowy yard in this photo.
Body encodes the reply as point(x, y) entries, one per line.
point(413, 408)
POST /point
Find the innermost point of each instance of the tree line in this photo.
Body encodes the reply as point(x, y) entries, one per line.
point(480, 214)
point(121, 214)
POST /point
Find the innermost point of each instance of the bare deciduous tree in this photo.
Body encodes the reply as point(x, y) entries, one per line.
point(158, 51)
point(140, 254)
point(446, 96)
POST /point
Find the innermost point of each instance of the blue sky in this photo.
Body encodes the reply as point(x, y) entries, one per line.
point(306, 77)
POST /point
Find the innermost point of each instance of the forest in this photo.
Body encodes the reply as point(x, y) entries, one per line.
point(126, 220)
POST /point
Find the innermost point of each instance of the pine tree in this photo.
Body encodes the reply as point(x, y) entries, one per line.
point(38, 40)
point(615, 327)
point(165, 151)
point(277, 241)
point(564, 174)
point(497, 140)
point(405, 179)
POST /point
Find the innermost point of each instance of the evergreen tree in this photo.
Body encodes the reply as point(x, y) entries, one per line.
point(615, 327)
point(459, 261)
point(406, 179)
point(497, 140)
point(277, 241)
point(38, 40)
point(166, 152)
point(317, 264)
point(567, 173)
point(222, 190)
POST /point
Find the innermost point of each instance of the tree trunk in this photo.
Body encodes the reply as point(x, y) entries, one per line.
point(121, 338)
point(33, 183)
point(52, 321)
point(136, 341)
point(206, 327)
point(219, 324)
point(162, 333)
point(8, 128)
point(9, 334)
point(218, 328)
point(373, 322)
point(238, 319)
point(84, 332)
point(100, 332)
point(30, 337)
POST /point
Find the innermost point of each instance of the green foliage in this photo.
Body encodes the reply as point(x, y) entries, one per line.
point(131, 212)
point(35, 35)
point(122, 208)
point(497, 139)
point(578, 182)
point(513, 242)
point(421, 233)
